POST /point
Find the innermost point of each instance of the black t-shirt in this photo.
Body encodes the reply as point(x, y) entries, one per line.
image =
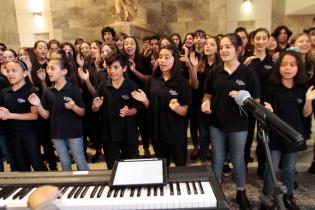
point(263, 69)
point(64, 123)
point(17, 102)
point(166, 125)
point(288, 104)
point(3, 84)
point(226, 114)
point(143, 65)
point(114, 127)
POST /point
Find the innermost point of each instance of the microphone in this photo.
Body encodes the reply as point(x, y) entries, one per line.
point(269, 119)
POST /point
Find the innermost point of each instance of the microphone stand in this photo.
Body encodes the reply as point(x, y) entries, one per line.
point(278, 189)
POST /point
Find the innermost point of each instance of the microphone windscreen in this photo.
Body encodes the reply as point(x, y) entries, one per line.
point(241, 97)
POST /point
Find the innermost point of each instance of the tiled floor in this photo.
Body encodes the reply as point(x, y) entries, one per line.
point(305, 193)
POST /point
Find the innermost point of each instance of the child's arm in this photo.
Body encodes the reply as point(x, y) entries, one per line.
point(72, 106)
point(179, 109)
point(85, 76)
point(127, 112)
point(5, 114)
point(206, 103)
point(97, 103)
point(35, 101)
point(309, 97)
point(139, 95)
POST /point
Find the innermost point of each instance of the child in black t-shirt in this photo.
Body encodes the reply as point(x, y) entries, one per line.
point(289, 99)
point(21, 117)
point(168, 97)
point(118, 110)
point(63, 104)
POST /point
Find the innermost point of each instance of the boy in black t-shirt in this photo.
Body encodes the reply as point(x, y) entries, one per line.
point(118, 111)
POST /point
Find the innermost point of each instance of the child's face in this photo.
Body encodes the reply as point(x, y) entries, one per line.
point(95, 50)
point(176, 40)
point(288, 67)
point(105, 50)
point(23, 55)
point(8, 56)
point(108, 37)
point(116, 71)
point(120, 43)
point(68, 50)
point(130, 46)
point(54, 71)
point(164, 42)
point(85, 49)
point(166, 60)
point(261, 41)
point(303, 42)
point(210, 47)
point(228, 52)
point(189, 41)
point(244, 37)
point(41, 50)
point(199, 40)
point(15, 73)
point(272, 45)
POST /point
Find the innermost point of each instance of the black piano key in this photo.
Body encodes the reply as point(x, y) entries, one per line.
point(84, 191)
point(122, 192)
point(25, 192)
point(94, 191)
point(201, 188)
point(18, 193)
point(9, 192)
point(64, 190)
point(149, 191)
point(3, 191)
point(100, 192)
point(155, 191)
point(188, 188)
point(139, 191)
point(132, 192)
point(171, 189)
point(178, 188)
point(116, 192)
point(110, 191)
point(194, 188)
point(78, 192)
point(161, 190)
point(72, 192)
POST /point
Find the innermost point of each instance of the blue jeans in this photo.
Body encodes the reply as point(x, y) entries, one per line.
point(6, 152)
point(288, 169)
point(204, 136)
point(236, 143)
point(76, 148)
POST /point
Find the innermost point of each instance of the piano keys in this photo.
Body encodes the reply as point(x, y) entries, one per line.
point(187, 188)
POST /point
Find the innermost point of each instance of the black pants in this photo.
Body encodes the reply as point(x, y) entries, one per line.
point(26, 151)
point(194, 125)
point(119, 150)
point(177, 152)
point(142, 124)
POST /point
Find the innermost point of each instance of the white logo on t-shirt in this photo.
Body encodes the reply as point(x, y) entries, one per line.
point(21, 100)
point(125, 97)
point(239, 82)
point(173, 92)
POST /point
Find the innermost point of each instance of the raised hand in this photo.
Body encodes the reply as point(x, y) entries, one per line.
point(80, 60)
point(132, 65)
point(233, 93)
point(83, 75)
point(205, 107)
point(124, 111)
point(98, 101)
point(173, 104)
point(41, 74)
point(310, 94)
point(268, 106)
point(34, 99)
point(4, 113)
point(139, 95)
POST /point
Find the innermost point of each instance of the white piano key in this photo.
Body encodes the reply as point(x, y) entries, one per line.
point(209, 192)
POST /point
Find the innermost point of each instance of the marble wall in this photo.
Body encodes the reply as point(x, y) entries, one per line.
point(8, 31)
point(85, 18)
